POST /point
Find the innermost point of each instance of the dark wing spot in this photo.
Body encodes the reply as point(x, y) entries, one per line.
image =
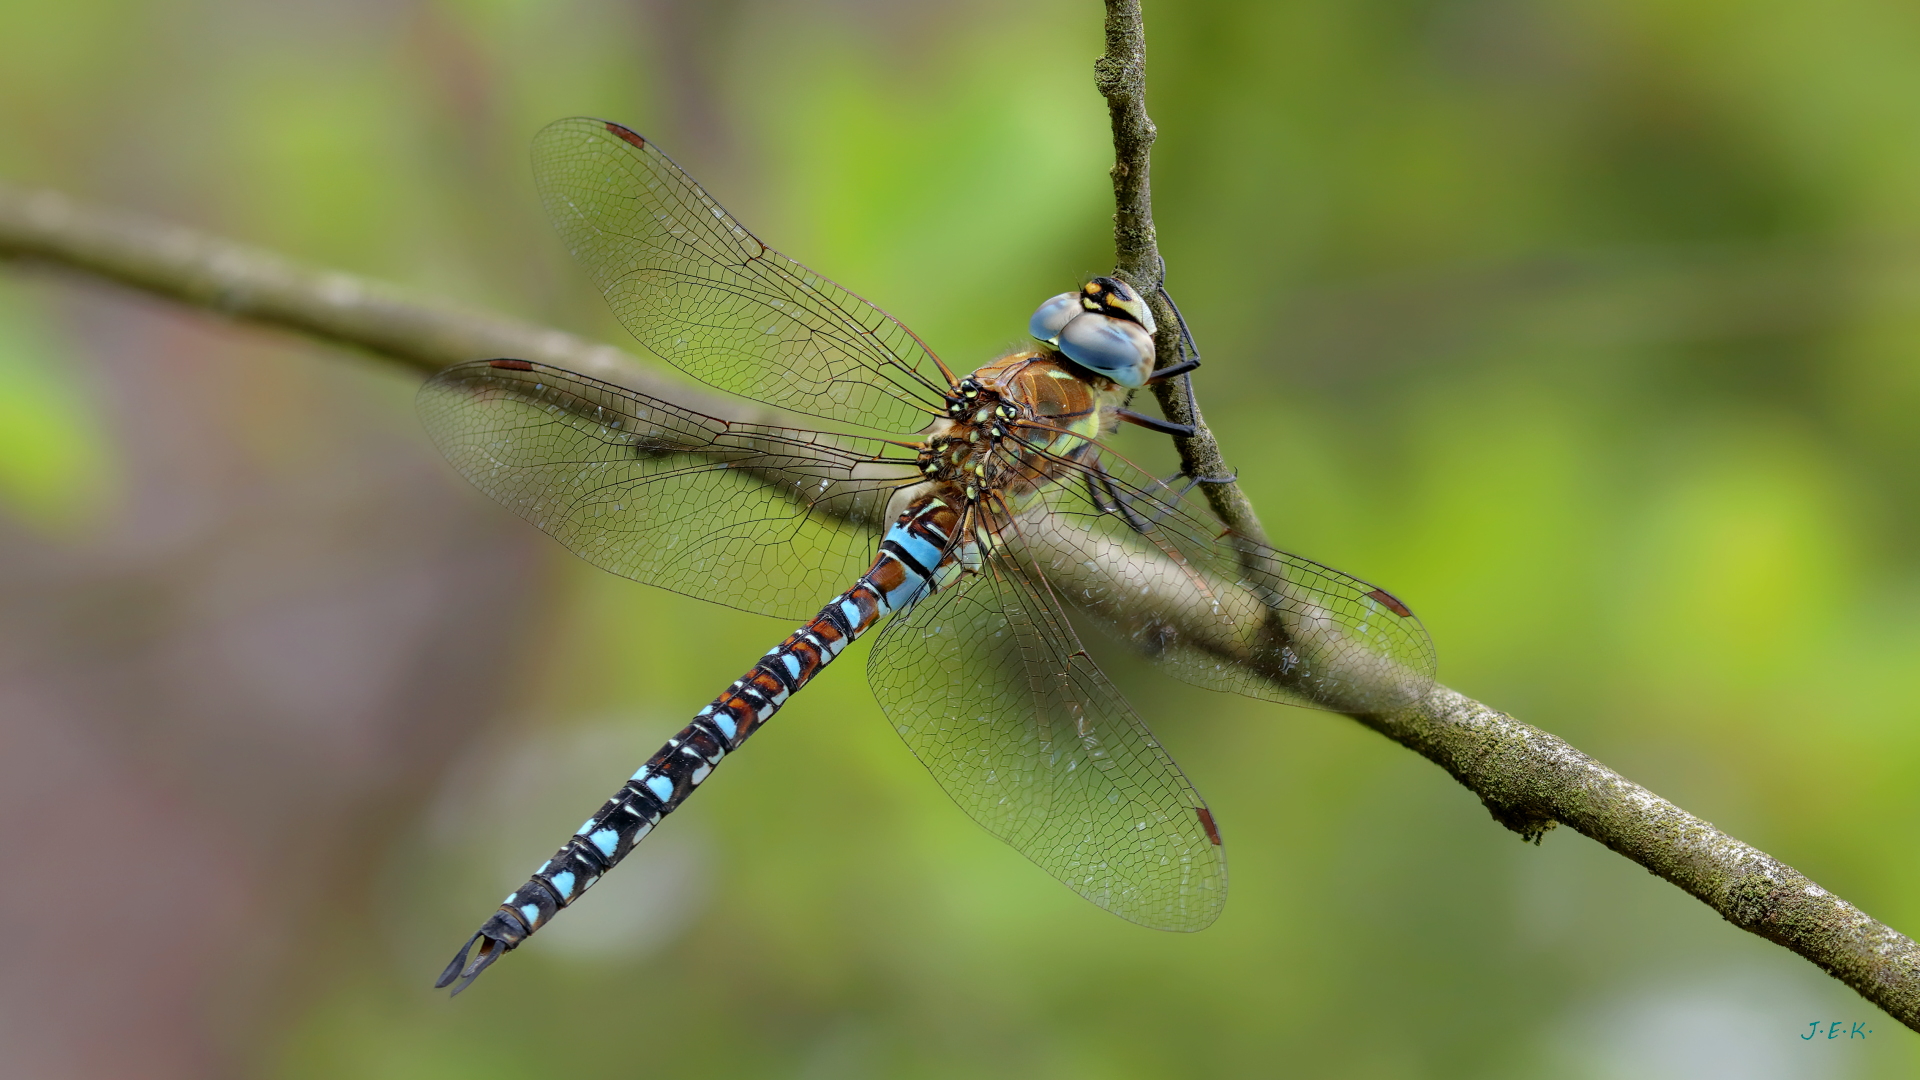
point(1392, 602)
point(630, 136)
point(511, 365)
point(1206, 822)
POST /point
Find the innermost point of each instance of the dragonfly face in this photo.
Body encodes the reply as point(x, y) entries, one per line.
point(985, 501)
point(1105, 327)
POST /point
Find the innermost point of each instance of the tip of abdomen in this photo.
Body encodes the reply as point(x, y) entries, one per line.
point(500, 934)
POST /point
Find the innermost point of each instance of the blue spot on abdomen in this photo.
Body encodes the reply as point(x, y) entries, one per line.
point(923, 553)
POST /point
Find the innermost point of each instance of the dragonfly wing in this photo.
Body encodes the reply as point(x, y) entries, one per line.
point(989, 687)
point(760, 518)
point(704, 294)
point(1151, 567)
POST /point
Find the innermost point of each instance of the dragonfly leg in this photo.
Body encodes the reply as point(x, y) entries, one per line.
point(1168, 372)
point(1097, 497)
point(1164, 427)
point(1166, 506)
point(1109, 499)
point(1101, 493)
point(1192, 482)
point(1195, 481)
point(1187, 350)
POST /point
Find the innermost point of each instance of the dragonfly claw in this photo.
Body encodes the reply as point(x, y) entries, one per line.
point(490, 950)
point(459, 961)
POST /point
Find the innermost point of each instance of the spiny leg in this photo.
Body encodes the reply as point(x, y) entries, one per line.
point(1153, 423)
point(1189, 353)
point(1187, 350)
point(1107, 497)
point(1107, 500)
point(1195, 481)
point(1186, 356)
point(1163, 374)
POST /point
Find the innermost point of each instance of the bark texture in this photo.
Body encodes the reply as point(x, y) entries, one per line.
point(1528, 779)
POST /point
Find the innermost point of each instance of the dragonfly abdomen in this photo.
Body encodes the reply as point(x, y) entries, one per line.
point(905, 571)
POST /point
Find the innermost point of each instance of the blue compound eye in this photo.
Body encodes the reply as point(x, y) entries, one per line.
point(1116, 348)
point(1054, 315)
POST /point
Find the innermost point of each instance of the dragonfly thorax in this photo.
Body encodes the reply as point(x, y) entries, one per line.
point(964, 449)
point(1014, 424)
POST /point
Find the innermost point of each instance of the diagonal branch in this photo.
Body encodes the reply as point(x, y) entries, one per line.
point(1527, 778)
point(259, 286)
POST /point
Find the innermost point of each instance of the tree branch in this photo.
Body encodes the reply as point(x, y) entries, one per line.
point(1527, 779)
point(259, 286)
point(1121, 75)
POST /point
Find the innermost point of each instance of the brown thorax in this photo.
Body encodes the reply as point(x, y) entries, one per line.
point(963, 449)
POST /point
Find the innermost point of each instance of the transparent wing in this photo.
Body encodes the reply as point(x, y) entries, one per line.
point(1151, 567)
point(765, 519)
point(989, 687)
point(707, 296)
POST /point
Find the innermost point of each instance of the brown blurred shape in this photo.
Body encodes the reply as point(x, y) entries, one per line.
point(219, 706)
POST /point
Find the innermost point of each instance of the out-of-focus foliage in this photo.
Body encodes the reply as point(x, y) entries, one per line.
point(53, 473)
point(1592, 329)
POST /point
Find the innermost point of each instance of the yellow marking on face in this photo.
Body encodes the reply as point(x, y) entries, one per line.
point(1093, 288)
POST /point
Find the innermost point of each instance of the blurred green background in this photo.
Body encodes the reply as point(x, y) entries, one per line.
point(1591, 328)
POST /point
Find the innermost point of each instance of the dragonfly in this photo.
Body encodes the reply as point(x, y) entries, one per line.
point(959, 518)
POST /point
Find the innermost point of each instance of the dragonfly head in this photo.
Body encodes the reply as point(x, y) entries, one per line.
point(1117, 300)
point(1105, 327)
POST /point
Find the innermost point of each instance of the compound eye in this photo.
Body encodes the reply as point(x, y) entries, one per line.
point(1118, 297)
point(1053, 316)
point(1116, 348)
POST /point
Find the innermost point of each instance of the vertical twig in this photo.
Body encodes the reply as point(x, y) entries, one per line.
point(1121, 75)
